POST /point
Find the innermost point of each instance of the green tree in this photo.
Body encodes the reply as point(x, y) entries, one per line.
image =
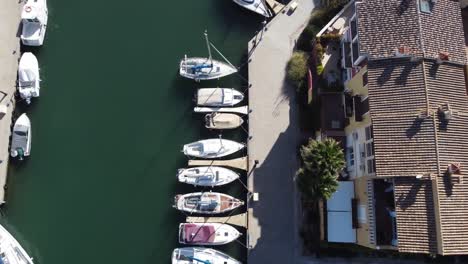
point(322, 162)
point(297, 68)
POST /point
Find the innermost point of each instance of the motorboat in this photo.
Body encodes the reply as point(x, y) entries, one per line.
point(218, 97)
point(258, 6)
point(205, 234)
point(206, 203)
point(34, 20)
point(217, 120)
point(205, 68)
point(21, 138)
point(207, 176)
point(11, 252)
point(28, 77)
point(201, 255)
point(212, 148)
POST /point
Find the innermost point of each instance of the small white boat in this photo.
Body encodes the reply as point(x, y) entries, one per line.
point(201, 255)
point(206, 203)
point(218, 97)
point(21, 138)
point(205, 68)
point(207, 176)
point(34, 19)
point(28, 77)
point(11, 252)
point(207, 234)
point(212, 148)
point(258, 6)
point(217, 120)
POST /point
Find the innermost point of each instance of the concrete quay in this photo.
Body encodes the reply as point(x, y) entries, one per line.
point(273, 219)
point(10, 13)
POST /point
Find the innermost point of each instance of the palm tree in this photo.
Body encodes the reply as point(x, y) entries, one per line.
point(322, 162)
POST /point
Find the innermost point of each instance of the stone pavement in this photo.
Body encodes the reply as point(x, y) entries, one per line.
point(10, 12)
point(273, 125)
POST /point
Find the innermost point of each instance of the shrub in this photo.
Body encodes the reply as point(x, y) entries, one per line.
point(307, 37)
point(330, 37)
point(297, 68)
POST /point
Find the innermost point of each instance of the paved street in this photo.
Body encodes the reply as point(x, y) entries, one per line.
point(273, 125)
point(9, 54)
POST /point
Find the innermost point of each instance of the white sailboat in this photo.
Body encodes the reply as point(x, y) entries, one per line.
point(212, 148)
point(207, 234)
point(201, 255)
point(207, 176)
point(28, 77)
point(258, 6)
point(34, 19)
point(218, 97)
point(217, 120)
point(205, 68)
point(206, 203)
point(21, 138)
point(11, 251)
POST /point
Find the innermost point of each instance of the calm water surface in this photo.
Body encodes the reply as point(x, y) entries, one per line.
point(109, 126)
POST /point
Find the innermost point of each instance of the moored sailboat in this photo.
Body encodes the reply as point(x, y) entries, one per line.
point(194, 255)
point(207, 176)
point(212, 148)
point(205, 68)
point(11, 252)
point(258, 6)
point(206, 203)
point(218, 97)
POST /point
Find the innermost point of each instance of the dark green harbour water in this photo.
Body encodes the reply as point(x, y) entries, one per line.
point(109, 126)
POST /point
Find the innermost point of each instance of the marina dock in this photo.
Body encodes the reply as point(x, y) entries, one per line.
point(239, 163)
point(9, 56)
point(274, 216)
point(237, 220)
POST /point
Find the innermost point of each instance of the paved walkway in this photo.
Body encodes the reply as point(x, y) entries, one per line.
point(9, 54)
point(273, 125)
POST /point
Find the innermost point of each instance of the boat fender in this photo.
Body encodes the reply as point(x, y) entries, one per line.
point(28, 9)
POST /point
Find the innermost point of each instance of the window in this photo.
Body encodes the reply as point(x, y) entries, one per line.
point(365, 79)
point(370, 166)
point(425, 6)
point(369, 149)
point(369, 134)
point(350, 152)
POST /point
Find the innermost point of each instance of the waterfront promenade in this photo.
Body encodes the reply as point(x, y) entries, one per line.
point(10, 12)
point(273, 235)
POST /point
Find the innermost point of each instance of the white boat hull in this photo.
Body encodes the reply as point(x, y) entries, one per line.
point(205, 234)
point(203, 69)
point(190, 255)
point(207, 176)
point(21, 137)
point(218, 97)
point(28, 77)
point(212, 148)
point(256, 6)
point(209, 203)
point(223, 121)
point(34, 19)
point(12, 251)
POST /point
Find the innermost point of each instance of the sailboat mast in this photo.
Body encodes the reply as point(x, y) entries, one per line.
point(208, 46)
